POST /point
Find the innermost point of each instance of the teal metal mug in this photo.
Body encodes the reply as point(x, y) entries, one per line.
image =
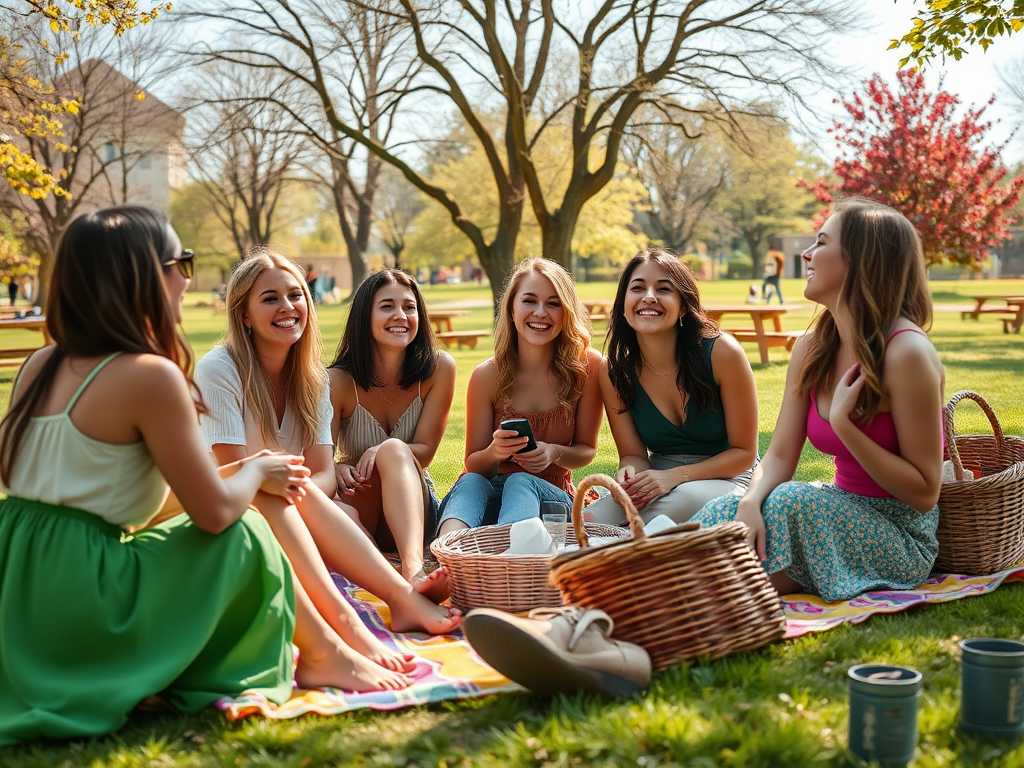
point(992, 687)
point(883, 713)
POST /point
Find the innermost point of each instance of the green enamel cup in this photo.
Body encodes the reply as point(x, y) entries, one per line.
point(883, 713)
point(992, 687)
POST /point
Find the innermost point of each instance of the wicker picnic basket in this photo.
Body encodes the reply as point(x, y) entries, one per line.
point(681, 593)
point(981, 521)
point(481, 577)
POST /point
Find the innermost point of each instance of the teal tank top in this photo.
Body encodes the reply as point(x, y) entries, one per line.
point(702, 434)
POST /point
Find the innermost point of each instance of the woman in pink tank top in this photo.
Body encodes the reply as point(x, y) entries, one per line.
point(865, 385)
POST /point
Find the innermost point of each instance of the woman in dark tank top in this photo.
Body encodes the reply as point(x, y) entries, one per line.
point(680, 396)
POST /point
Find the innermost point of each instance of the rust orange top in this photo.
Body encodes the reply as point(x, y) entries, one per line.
point(549, 426)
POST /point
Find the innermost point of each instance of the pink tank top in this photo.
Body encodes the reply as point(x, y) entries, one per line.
point(850, 475)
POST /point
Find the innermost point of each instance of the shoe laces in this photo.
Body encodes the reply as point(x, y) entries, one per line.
point(581, 619)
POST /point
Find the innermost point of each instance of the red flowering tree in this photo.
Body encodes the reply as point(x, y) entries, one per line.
point(909, 150)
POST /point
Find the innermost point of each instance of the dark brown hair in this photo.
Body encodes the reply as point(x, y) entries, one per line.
point(624, 349)
point(886, 280)
point(355, 352)
point(106, 295)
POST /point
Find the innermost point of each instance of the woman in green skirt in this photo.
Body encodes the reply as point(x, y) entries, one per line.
point(101, 607)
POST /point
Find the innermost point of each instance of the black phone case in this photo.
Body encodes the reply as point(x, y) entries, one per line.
point(522, 426)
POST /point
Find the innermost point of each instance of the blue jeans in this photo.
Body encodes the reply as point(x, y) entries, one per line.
point(520, 495)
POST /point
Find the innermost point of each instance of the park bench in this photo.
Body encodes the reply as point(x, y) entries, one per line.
point(469, 338)
point(776, 338)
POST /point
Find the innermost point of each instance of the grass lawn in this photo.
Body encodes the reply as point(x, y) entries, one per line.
point(782, 706)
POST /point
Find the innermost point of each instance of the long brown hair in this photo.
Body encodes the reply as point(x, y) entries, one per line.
point(694, 327)
point(304, 374)
point(886, 280)
point(570, 359)
point(107, 295)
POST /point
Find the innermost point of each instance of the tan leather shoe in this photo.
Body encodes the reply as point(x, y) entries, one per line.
point(558, 650)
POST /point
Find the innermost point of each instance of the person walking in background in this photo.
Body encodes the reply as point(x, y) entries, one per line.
point(313, 283)
point(12, 289)
point(774, 266)
point(26, 288)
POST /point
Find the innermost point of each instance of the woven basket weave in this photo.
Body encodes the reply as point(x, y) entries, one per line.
point(981, 521)
point(681, 593)
point(481, 577)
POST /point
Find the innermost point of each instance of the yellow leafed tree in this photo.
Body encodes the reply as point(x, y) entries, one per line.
point(42, 118)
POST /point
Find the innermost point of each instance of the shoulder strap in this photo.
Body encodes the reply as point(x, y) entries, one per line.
point(355, 388)
point(88, 381)
point(903, 330)
point(419, 389)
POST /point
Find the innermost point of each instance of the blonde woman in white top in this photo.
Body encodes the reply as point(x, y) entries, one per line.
point(267, 388)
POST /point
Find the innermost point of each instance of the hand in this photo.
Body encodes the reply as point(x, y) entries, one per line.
point(505, 442)
point(750, 515)
point(283, 475)
point(540, 458)
point(648, 485)
point(364, 467)
point(348, 480)
point(847, 393)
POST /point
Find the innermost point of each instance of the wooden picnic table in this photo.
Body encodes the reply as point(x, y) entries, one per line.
point(1014, 310)
point(9, 357)
point(759, 313)
point(599, 307)
point(442, 319)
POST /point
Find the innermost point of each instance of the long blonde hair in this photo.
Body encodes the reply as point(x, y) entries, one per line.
point(886, 280)
point(569, 363)
point(304, 375)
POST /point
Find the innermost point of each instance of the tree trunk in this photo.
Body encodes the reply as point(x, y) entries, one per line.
point(498, 261)
point(557, 238)
point(754, 246)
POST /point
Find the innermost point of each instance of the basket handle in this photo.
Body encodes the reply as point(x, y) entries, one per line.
point(954, 454)
point(636, 523)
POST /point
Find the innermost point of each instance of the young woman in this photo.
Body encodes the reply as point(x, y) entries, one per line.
point(94, 619)
point(680, 396)
point(391, 391)
point(267, 389)
point(544, 371)
point(865, 385)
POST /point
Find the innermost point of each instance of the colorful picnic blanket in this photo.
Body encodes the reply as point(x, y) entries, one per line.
point(449, 669)
point(808, 613)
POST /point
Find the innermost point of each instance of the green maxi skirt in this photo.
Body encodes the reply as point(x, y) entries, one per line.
point(93, 621)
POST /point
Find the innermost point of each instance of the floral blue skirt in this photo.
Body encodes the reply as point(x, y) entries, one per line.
point(840, 544)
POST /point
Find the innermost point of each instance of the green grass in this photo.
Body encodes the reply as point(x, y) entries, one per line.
point(782, 706)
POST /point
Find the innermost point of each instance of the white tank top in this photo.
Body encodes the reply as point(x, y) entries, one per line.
point(58, 464)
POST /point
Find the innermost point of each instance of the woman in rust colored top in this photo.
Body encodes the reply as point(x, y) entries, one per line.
point(544, 371)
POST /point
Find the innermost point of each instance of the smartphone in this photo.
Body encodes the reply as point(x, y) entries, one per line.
point(523, 428)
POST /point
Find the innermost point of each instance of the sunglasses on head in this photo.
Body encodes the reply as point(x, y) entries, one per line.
point(186, 263)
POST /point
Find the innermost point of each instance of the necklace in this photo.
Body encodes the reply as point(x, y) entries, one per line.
point(385, 398)
point(651, 369)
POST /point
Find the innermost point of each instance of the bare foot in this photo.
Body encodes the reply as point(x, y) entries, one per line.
point(348, 670)
point(362, 640)
point(415, 613)
point(434, 585)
